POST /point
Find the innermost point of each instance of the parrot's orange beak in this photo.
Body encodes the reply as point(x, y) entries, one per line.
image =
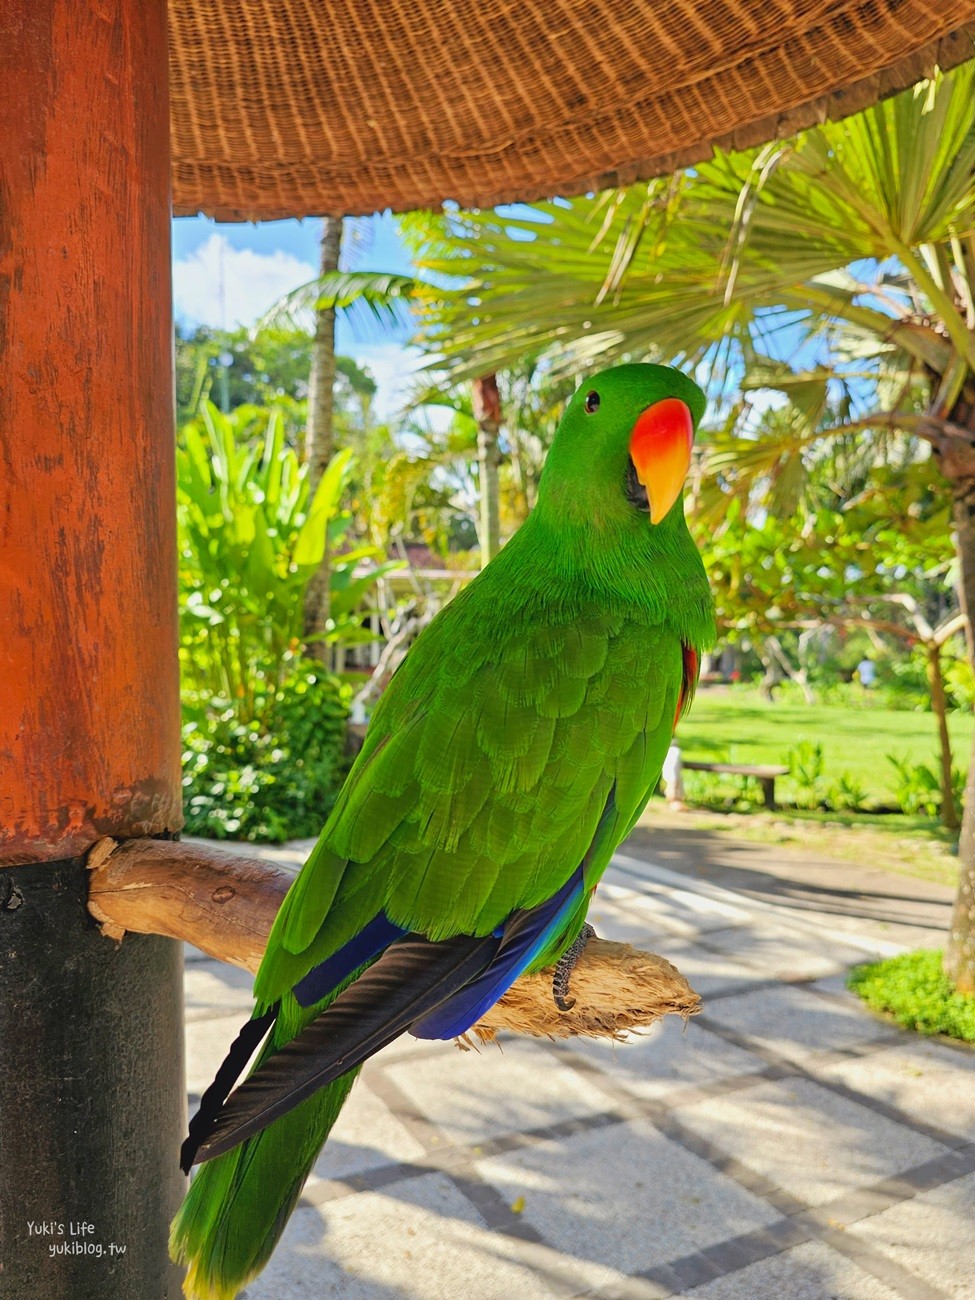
point(660, 448)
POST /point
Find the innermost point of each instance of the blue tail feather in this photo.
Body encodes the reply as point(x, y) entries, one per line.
point(465, 1008)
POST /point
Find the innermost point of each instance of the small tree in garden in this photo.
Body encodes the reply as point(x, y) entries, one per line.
point(881, 563)
point(314, 307)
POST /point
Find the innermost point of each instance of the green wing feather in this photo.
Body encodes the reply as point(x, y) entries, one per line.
point(485, 774)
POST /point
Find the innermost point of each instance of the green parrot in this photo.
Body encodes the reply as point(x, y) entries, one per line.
point(512, 751)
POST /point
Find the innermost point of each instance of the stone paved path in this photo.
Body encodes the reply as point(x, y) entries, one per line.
point(787, 1144)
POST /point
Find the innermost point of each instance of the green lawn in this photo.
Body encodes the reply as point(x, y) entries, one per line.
point(736, 725)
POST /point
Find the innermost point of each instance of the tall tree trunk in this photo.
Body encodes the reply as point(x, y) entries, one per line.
point(319, 441)
point(776, 652)
point(959, 959)
point(773, 673)
point(957, 462)
point(949, 813)
point(487, 412)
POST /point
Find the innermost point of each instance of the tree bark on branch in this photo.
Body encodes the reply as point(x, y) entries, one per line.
point(225, 904)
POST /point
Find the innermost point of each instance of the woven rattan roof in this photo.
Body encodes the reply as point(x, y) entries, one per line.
point(300, 107)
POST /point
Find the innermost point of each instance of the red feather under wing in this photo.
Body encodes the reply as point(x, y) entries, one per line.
point(691, 668)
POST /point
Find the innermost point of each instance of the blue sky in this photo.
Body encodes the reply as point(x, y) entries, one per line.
point(229, 273)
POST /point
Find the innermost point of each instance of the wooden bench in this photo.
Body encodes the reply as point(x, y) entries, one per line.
point(764, 773)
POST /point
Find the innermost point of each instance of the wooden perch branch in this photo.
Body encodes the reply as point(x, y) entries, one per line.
point(222, 903)
point(225, 904)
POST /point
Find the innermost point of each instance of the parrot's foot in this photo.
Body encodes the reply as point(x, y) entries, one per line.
point(565, 966)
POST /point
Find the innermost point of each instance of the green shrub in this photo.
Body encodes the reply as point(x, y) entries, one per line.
point(914, 989)
point(959, 682)
point(270, 780)
point(716, 790)
point(846, 794)
point(918, 787)
point(806, 766)
point(902, 682)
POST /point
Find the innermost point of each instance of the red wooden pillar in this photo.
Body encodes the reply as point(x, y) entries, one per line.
point(91, 1104)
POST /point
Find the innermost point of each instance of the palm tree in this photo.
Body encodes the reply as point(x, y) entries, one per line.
point(319, 436)
point(314, 306)
point(852, 243)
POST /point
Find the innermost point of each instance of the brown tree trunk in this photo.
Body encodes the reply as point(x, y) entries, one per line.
point(959, 959)
point(949, 813)
point(319, 441)
point(487, 412)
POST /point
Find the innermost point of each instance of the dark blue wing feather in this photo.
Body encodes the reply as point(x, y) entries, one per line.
point(372, 939)
point(465, 1008)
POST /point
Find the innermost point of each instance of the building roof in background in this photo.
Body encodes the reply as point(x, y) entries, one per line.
point(284, 108)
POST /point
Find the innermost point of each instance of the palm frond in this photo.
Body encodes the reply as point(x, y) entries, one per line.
point(370, 300)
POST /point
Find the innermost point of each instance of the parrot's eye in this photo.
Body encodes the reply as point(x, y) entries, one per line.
point(592, 402)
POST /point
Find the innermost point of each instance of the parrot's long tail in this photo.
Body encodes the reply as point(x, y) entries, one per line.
point(239, 1203)
point(260, 1145)
point(260, 1142)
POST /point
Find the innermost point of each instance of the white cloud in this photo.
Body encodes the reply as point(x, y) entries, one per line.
point(251, 283)
point(223, 286)
point(392, 366)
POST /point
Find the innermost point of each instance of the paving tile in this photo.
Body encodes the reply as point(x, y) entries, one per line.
point(476, 1095)
point(207, 1042)
point(211, 987)
point(421, 1239)
point(775, 954)
point(836, 986)
point(623, 925)
point(932, 1235)
point(792, 1021)
point(366, 1135)
point(625, 1196)
point(707, 971)
point(809, 1141)
point(809, 1272)
point(667, 1057)
point(932, 1083)
point(679, 908)
point(622, 1197)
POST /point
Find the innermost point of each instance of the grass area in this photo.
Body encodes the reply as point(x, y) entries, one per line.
point(916, 992)
point(736, 725)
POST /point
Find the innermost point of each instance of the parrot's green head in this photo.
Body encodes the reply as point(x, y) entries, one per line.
point(623, 447)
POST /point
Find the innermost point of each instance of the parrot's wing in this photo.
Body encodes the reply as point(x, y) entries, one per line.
point(484, 779)
point(411, 979)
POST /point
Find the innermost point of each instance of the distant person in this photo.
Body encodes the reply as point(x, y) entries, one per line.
point(867, 672)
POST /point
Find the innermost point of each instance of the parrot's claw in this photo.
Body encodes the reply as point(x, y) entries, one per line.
point(565, 966)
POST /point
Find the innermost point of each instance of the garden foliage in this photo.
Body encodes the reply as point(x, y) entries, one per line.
point(918, 789)
point(250, 540)
point(264, 736)
point(272, 779)
point(914, 989)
